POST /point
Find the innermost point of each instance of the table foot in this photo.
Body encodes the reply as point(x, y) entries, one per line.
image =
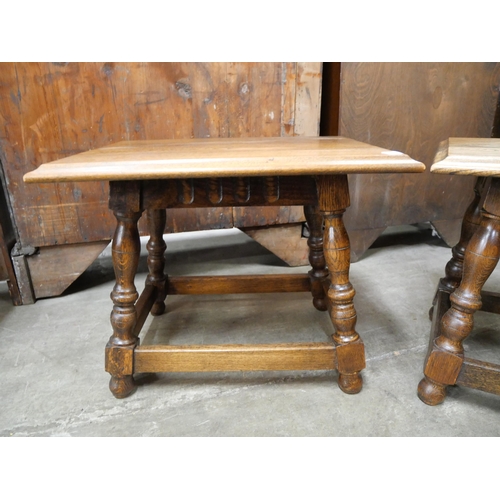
point(431, 393)
point(320, 304)
point(158, 308)
point(121, 387)
point(350, 383)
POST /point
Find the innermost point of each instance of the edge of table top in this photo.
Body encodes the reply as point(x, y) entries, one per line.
point(225, 157)
point(468, 156)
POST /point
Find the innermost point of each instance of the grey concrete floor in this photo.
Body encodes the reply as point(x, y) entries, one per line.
point(52, 352)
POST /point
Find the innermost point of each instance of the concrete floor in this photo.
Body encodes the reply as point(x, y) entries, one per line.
point(52, 352)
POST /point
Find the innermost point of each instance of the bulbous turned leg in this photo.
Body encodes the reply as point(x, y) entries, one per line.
point(333, 199)
point(120, 348)
point(454, 267)
point(445, 360)
point(319, 272)
point(349, 347)
point(156, 247)
point(470, 224)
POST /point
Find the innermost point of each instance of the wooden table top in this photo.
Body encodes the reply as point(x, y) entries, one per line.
point(468, 156)
point(228, 157)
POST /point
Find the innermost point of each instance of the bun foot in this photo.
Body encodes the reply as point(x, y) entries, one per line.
point(158, 308)
point(350, 383)
point(121, 387)
point(431, 393)
point(320, 304)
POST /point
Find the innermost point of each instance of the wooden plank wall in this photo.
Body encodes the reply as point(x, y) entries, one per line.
point(411, 107)
point(51, 110)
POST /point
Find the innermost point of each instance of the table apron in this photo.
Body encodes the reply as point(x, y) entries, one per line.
point(228, 192)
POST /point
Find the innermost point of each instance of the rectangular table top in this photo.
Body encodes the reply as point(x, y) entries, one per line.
point(224, 157)
point(468, 156)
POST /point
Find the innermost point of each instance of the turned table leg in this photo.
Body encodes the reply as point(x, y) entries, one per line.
point(470, 224)
point(316, 256)
point(333, 195)
point(156, 247)
point(445, 360)
point(454, 267)
point(126, 248)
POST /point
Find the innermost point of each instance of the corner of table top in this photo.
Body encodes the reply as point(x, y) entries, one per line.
point(479, 156)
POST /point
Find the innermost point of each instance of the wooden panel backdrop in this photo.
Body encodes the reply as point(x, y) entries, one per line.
point(51, 110)
point(409, 107)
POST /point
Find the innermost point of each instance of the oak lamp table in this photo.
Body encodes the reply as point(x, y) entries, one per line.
point(459, 294)
point(153, 176)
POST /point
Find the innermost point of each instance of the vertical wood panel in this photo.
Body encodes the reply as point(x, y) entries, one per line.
point(330, 99)
point(308, 99)
point(411, 107)
point(51, 110)
point(300, 90)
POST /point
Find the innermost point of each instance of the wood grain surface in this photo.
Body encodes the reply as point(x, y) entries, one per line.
point(468, 156)
point(412, 107)
point(53, 110)
point(226, 157)
point(269, 283)
point(234, 357)
point(52, 271)
point(480, 375)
